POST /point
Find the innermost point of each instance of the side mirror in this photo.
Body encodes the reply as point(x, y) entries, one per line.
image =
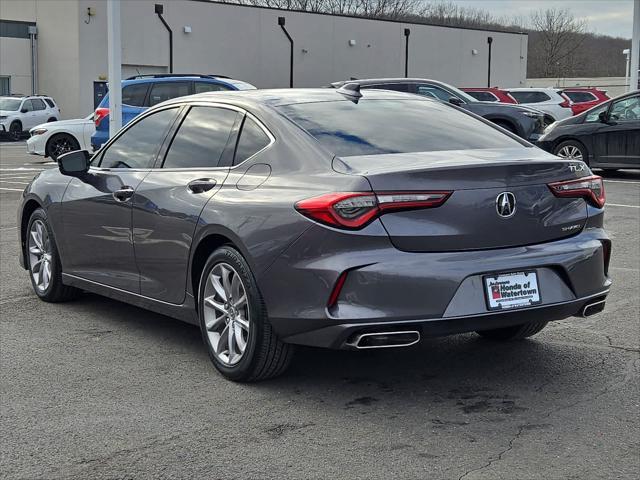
point(455, 101)
point(24, 110)
point(75, 163)
point(604, 118)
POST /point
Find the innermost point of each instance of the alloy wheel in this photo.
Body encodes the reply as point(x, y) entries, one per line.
point(226, 313)
point(570, 152)
point(61, 146)
point(40, 256)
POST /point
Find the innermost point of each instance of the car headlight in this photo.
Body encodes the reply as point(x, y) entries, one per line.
point(550, 127)
point(38, 131)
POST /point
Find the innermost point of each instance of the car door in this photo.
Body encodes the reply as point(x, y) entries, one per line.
point(191, 168)
point(617, 141)
point(96, 207)
point(40, 112)
point(28, 115)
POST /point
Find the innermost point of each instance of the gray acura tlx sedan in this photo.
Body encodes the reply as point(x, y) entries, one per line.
point(320, 217)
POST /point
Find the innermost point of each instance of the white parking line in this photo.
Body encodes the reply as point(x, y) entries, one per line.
point(12, 189)
point(14, 183)
point(22, 169)
point(621, 205)
point(622, 181)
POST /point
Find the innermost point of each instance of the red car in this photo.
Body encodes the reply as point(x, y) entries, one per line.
point(584, 98)
point(493, 94)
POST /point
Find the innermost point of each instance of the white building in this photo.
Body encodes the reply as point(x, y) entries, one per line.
point(69, 50)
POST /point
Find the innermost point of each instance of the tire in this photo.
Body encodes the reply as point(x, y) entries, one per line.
point(517, 332)
point(60, 144)
point(15, 131)
point(42, 255)
point(264, 355)
point(572, 150)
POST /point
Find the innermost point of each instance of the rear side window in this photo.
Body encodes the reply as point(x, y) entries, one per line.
point(374, 127)
point(530, 97)
point(432, 91)
point(202, 87)
point(201, 139)
point(134, 95)
point(484, 96)
point(38, 104)
point(579, 97)
point(138, 145)
point(166, 91)
point(252, 140)
point(50, 102)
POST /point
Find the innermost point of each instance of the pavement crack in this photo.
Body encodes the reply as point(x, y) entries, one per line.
point(500, 454)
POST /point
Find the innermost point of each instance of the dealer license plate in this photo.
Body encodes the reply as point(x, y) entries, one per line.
point(511, 290)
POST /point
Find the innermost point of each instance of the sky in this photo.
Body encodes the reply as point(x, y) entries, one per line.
point(605, 17)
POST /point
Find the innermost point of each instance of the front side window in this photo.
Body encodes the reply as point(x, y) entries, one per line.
point(138, 145)
point(594, 113)
point(252, 140)
point(134, 95)
point(38, 104)
point(202, 87)
point(162, 91)
point(27, 105)
point(626, 110)
point(201, 139)
point(373, 127)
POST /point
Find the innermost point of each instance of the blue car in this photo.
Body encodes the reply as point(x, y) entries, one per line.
point(144, 91)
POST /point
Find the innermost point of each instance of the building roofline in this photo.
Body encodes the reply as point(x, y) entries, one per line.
point(341, 15)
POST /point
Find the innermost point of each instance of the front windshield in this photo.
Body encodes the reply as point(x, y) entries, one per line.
point(10, 104)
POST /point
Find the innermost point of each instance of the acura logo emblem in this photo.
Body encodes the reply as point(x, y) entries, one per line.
point(506, 204)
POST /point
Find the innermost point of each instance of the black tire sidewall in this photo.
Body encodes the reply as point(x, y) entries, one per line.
point(15, 134)
point(243, 369)
point(56, 276)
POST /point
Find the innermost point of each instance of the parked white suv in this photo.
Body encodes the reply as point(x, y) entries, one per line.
point(548, 100)
point(18, 114)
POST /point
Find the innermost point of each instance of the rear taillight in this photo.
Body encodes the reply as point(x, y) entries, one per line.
point(354, 210)
point(566, 104)
point(99, 115)
point(589, 188)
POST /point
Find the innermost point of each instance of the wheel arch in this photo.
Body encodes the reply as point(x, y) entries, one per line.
point(29, 207)
point(204, 244)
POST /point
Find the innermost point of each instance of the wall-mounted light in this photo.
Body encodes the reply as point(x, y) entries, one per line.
point(304, 50)
point(474, 52)
point(352, 43)
point(187, 29)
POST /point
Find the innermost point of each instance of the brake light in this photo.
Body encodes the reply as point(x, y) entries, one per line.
point(354, 210)
point(589, 188)
point(566, 104)
point(99, 115)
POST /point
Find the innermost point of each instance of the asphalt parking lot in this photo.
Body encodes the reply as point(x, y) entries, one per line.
point(99, 389)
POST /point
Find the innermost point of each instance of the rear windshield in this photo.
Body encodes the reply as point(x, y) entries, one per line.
point(373, 127)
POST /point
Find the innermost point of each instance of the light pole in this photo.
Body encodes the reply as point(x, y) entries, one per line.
point(115, 65)
point(627, 52)
point(635, 46)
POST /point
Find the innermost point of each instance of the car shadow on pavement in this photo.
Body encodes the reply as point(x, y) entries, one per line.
point(466, 372)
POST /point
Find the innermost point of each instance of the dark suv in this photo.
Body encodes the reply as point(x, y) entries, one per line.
point(523, 121)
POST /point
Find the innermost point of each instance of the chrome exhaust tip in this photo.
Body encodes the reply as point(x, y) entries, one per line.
point(364, 341)
point(592, 308)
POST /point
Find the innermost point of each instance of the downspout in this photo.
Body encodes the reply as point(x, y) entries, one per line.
point(281, 21)
point(407, 32)
point(33, 33)
point(159, 9)
point(489, 41)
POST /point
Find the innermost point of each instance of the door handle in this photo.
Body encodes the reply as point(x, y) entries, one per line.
point(124, 194)
point(201, 185)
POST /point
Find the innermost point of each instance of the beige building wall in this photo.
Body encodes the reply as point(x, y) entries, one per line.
point(15, 62)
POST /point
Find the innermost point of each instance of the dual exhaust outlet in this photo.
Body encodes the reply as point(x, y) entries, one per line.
point(403, 338)
point(592, 308)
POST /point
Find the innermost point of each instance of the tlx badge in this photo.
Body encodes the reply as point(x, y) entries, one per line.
point(577, 167)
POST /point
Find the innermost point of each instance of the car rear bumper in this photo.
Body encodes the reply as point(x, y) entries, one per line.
point(342, 335)
point(437, 293)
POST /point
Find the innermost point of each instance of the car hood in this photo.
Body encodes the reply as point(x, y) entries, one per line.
point(6, 113)
point(64, 123)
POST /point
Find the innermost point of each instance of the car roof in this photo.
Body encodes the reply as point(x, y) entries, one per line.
point(289, 96)
point(373, 81)
point(534, 89)
point(159, 79)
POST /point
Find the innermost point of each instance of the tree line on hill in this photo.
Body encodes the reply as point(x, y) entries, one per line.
point(560, 45)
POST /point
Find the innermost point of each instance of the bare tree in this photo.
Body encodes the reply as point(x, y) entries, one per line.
point(560, 36)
